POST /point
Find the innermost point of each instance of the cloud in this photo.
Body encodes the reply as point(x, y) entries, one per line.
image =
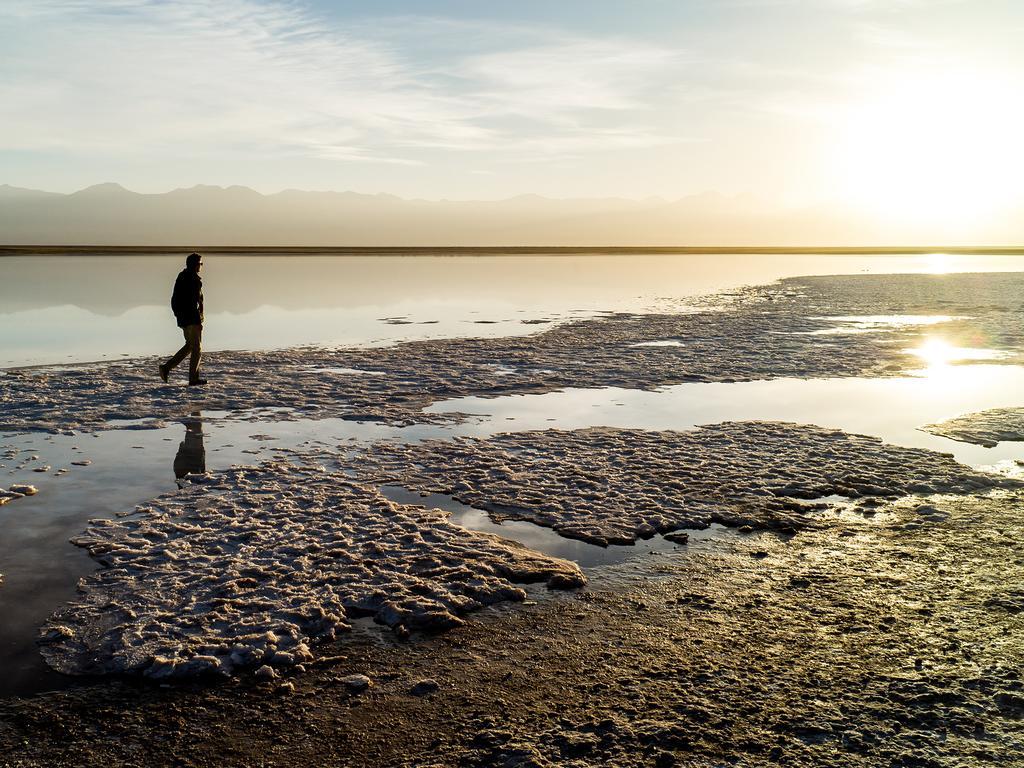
point(144, 78)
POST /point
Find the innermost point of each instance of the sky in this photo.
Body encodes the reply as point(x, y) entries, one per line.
point(895, 108)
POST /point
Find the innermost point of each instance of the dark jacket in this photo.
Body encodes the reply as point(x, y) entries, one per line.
point(187, 299)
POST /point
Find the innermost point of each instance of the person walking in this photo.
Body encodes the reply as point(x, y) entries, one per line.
point(187, 305)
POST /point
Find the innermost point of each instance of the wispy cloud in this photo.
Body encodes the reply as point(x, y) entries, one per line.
point(141, 76)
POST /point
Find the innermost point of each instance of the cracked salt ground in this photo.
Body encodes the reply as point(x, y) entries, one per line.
point(541, 539)
point(109, 476)
point(866, 404)
point(42, 569)
point(615, 486)
point(987, 428)
point(259, 563)
point(39, 566)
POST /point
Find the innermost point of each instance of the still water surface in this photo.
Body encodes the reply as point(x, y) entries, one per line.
point(70, 309)
point(81, 308)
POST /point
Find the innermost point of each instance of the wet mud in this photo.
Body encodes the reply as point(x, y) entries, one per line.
point(884, 641)
point(868, 614)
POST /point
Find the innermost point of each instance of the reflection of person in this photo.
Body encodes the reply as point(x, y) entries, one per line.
point(187, 304)
point(191, 456)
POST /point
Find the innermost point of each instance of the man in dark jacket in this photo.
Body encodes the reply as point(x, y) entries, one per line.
point(187, 305)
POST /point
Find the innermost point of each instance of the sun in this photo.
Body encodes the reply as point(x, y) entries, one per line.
point(933, 146)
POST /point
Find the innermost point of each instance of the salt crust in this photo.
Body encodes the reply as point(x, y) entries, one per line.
point(17, 491)
point(986, 428)
point(751, 334)
point(252, 567)
point(609, 486)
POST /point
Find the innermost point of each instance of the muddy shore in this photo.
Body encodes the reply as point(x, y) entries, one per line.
point(889, 640)
point(888, 633)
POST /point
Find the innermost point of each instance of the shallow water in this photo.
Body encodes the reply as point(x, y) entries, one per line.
point(545, 540)
point(131, 465)
point(893, 409)
point(57, 309)
point(134, 463)
point(272, 302)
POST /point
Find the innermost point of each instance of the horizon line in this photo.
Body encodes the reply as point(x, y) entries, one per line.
point(229, 250)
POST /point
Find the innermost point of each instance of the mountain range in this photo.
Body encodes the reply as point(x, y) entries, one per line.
point(109, 214)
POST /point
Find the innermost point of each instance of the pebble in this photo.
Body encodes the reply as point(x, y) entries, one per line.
point(356, 683)
point(424, 687)
point(265, 672)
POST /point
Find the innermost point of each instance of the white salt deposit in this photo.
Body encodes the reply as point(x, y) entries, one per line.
point(250, 568)
point(254, 566)
point(987, 428)
point(614, 486)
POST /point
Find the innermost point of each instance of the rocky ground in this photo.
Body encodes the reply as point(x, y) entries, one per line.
point(892, 639)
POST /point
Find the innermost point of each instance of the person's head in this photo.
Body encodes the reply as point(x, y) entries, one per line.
point(194, 262)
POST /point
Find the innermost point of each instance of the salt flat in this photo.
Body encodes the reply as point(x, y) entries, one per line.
point(260, 571)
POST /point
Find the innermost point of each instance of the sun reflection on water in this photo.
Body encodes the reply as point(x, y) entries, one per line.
point(938, 263)
point(940, 358)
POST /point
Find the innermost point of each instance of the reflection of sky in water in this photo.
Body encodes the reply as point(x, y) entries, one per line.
point(884, 321)
point(52, 310)
point(874, 323)
point(132, 465)
point(892, 409)
point(58, 309)
point(938, 353)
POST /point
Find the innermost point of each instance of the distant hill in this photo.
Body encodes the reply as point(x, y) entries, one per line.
point(109, 214)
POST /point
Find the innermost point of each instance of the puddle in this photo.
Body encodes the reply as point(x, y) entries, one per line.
point(127, 466)
point(875, 323)
point(661, 343)
point(547, 541)
point(130, 465)
point(939, 352)
point(892, 409)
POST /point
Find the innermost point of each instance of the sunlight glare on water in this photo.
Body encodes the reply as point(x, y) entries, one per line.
point(893, 409)
point(938, 263)
point(941, 358)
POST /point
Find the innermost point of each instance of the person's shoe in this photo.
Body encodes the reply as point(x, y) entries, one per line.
point(164, 370)
point(196, 382)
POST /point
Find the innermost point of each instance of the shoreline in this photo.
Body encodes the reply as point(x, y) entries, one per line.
point(493, 250)
point(867, 644)
point(874, 636)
